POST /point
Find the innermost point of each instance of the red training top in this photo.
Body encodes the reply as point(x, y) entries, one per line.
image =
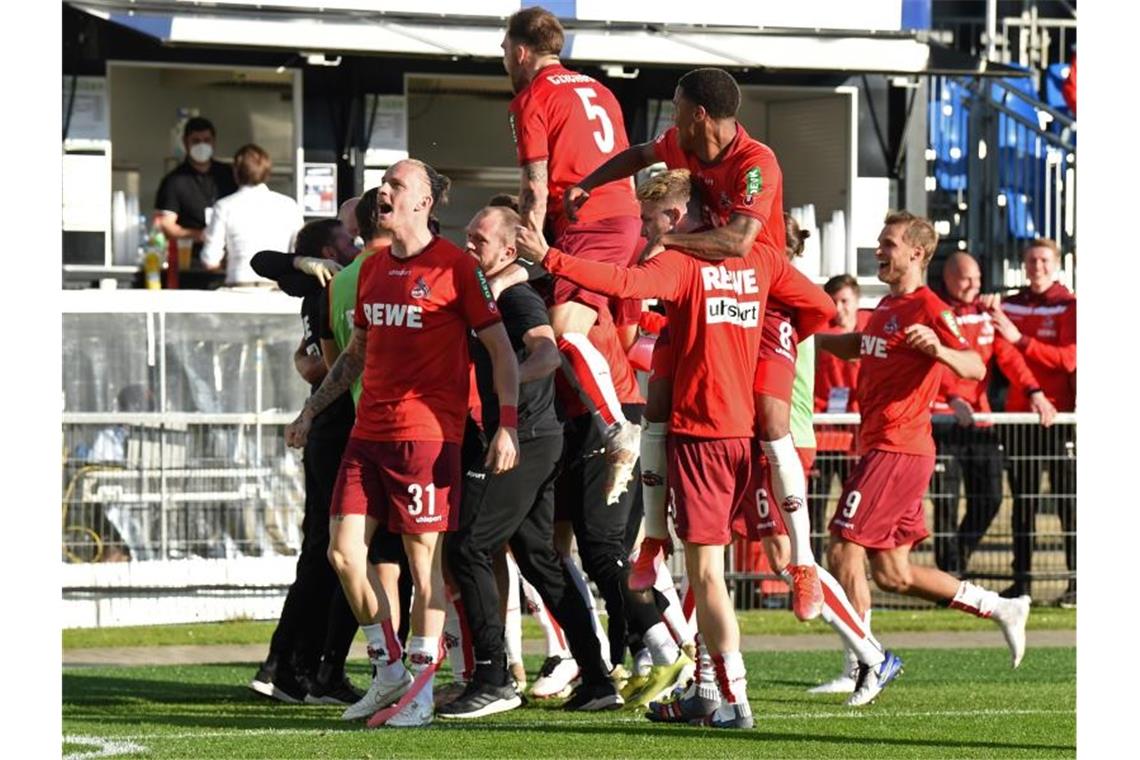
point(833, 372)
point(714, 313)
point(897, 383)
point(416, 369)
point(978, 328)
point(1046, 355)
point(575, 123)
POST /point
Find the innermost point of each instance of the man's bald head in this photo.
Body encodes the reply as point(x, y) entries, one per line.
point(347, 216)
point(962, 277)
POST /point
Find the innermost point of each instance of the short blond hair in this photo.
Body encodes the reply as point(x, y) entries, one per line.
point(675, 184)
point(1042, 243)
point(919, 232)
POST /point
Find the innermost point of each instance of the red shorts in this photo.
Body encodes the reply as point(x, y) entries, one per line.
point(776, 362)
point(708, 484)
point(881, 503)
point(408, 486)
point(762, 517)
point(613, 240)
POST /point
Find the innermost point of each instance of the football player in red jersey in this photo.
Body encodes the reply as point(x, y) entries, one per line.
point(564, 125)
point(742, 190)
point(416, 301)
point(910, 336)
point(714, 321)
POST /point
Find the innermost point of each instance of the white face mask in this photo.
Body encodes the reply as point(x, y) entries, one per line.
point(201, 152)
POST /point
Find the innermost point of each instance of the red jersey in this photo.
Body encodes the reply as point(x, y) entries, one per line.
point(1046, 355)
point(714, 312)
point(897, 383)
point(978, 328)
point(575, 123)
point(745, 180)
point(835, 378)
point(417, 312)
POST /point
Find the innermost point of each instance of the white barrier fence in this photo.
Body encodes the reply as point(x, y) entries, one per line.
point(180, 517)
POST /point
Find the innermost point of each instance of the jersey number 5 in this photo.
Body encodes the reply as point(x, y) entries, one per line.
point(605, 138)
point(417, 491)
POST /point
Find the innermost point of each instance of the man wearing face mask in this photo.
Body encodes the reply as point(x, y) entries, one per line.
point(193, 186)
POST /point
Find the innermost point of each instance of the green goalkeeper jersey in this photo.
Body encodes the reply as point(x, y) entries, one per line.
point(803, 396)
point(342, 305)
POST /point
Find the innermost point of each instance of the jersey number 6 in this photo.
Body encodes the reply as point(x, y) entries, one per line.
point(605, 138)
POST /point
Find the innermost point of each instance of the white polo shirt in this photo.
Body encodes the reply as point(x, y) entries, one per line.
point(253, 219)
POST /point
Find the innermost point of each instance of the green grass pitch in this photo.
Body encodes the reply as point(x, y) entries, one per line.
point(947, 703)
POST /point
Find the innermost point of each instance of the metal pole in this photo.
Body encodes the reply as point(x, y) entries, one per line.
point(163, 504)
point(991, 30)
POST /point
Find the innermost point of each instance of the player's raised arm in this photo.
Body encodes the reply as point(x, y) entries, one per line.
point(963, 362)
point(844, 345)
point(625, 164)
point(656, 278)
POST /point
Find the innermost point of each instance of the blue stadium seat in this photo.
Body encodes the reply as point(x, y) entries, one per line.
point(949, 132)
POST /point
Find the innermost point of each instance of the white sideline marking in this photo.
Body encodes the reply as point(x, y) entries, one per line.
point(106, 747)
point(761, 717)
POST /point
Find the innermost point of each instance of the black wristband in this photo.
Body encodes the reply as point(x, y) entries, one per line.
point(1030, 391)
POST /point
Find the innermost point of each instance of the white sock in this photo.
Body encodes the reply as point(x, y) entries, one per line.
point(513, 620)
point(551, 631)
point(456, 646)
point(422, 651)
point(841, 616)
point(706, 675)
point(660, 644)
point(975, 600)
point(653, 487)
point(584, 589)
point(673, 614)
point(642, 662)
point(790, 490)
point(595, 389)
point(385, 653)
point(733, 679)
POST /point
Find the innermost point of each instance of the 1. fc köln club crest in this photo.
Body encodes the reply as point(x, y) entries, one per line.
point(420, 289)
point(892, 325)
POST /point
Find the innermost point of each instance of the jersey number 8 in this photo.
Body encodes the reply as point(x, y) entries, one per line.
point(786, 330)
point(605, 138)
point(417, 491)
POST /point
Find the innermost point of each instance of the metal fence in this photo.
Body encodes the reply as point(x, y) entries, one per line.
point(1002, 490)
point(152, 486)
point(164, 488)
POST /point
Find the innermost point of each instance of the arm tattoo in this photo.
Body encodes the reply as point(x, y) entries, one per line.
point(534, 177)
point(340, 377)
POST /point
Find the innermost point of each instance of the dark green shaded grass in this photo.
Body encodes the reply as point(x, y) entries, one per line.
point(775, 622)
point(948, 703)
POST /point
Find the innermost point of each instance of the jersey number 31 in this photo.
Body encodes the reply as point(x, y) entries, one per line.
point(605, 138)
